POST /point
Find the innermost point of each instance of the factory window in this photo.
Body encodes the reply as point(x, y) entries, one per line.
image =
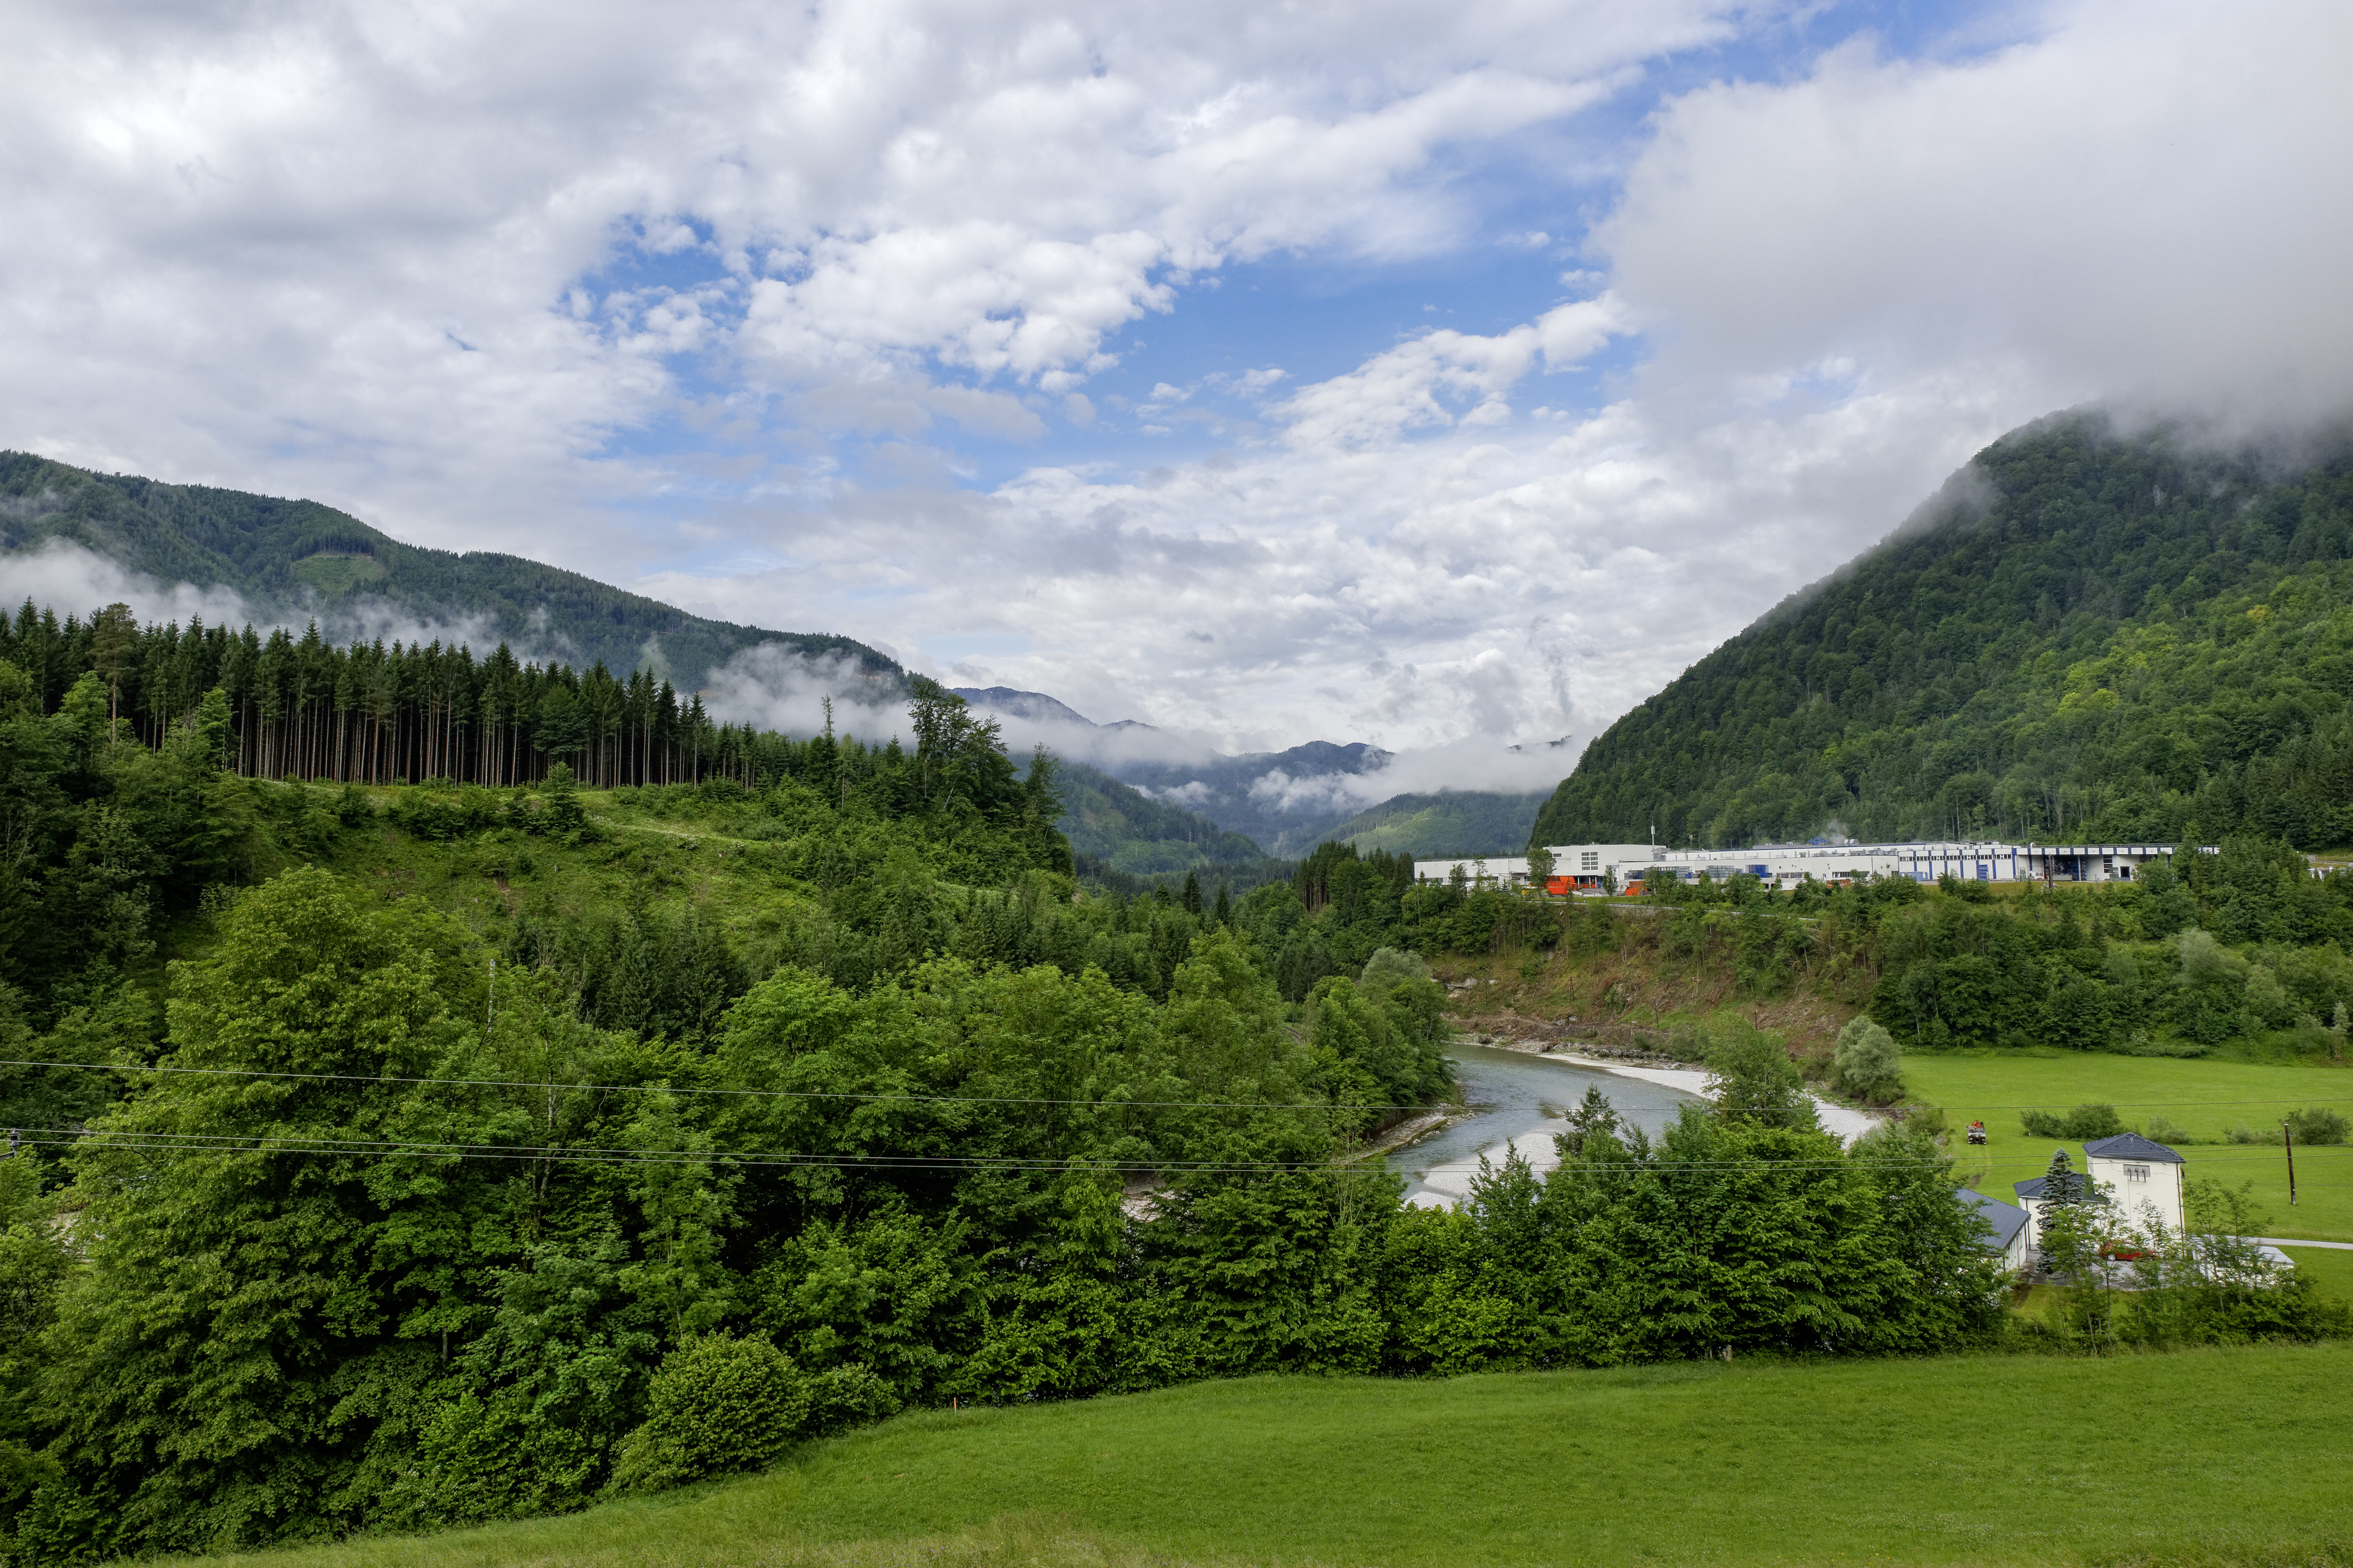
point(1590, 860)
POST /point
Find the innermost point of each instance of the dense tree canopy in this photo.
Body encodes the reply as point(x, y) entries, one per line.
point(2091, 635)
point(344, 1204)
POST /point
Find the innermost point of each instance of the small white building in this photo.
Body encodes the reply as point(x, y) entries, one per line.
point(2006, 1227)
point(2141, 1178)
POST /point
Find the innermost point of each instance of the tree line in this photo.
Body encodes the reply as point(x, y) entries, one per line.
point(2240, 952)
point(298, 707)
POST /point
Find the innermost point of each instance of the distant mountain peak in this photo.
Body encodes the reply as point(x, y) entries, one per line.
point(1035, 706)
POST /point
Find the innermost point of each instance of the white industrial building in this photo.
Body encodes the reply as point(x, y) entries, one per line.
point(1590, 866)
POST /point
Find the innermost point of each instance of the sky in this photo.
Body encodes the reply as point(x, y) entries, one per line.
point(1439, 376)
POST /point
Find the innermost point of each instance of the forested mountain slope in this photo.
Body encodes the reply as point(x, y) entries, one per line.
point(1452, 822)
point(2089, 634)
point(1127, 830)
point(298, 558)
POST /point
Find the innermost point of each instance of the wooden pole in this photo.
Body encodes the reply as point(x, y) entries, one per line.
point(2287, 1141)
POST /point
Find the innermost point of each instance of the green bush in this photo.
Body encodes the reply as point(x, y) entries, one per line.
point(2083, 1122)
point(1866, 1063)
point(1391, 966)
point(498, 1458)
point(1753, 1080)
point(843, 1396)
point(2317, 1124)
point(444, 816)
point(717, 1404)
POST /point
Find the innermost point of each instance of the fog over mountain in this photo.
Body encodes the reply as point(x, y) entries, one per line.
point(1289, 800)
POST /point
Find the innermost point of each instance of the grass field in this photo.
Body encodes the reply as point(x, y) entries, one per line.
point(2330, 1271)
point(2233, 1456)
point(2208, 1098)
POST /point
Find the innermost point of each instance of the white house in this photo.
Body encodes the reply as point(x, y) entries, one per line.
point(2140, 1178)
point(2137, 1175)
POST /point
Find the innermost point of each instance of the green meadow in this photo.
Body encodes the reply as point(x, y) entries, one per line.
point(2219, 1456)
point(2207, 1098)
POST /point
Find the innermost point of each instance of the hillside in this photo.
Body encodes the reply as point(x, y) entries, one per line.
point(1126, 830)
point(1452, 822)
point(1336, 1470)
point(297, 559)
point(1035, 706)
point(2089, 634)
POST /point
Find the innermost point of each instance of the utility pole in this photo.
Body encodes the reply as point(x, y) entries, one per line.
point(2287, 1141)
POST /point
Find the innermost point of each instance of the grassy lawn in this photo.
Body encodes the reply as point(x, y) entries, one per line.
point(2329, 1270)
point(2230, 1457)
point(2206, 1096)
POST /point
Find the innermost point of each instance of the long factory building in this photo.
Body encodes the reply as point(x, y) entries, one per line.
point(1584, 866)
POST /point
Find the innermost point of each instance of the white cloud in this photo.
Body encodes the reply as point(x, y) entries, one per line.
point(1412, 385)
point(2144, 201)
point(353, 251)
point(1848, 281)
point(775, 688)
point(71, 580)
point(423, 264)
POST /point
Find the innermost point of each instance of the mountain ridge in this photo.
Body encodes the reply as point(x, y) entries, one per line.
point(307, 559)
point(1446, 823)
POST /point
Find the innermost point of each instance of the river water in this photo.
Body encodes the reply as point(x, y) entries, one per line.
point(1518, 1100)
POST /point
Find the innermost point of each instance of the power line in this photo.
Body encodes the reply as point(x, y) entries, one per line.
point(297, 1143)
point(542, 1085)
point(331, 1143)
point(287, 1143)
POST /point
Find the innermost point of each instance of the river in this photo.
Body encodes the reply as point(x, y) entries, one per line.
point(1517, 1099)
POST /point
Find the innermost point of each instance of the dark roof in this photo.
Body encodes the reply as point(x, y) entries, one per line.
point(2132, 1146)
point(2085, 1190)
point(2005, 1218)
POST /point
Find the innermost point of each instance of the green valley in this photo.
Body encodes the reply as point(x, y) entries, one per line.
point(479, 1110)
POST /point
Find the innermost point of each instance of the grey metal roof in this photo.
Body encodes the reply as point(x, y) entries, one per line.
point(2033, 1189)
point(2131, 1146)
point(2005, 1218)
